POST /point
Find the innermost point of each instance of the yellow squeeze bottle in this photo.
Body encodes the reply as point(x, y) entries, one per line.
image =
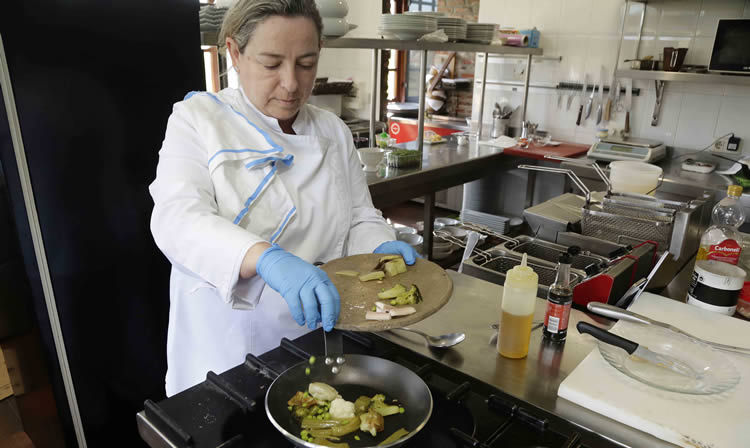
point(517, 311)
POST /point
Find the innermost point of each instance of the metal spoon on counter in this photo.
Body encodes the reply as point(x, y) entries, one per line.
point(442, 341)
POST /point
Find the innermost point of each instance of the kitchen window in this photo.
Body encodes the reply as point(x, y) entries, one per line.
point(403, 66)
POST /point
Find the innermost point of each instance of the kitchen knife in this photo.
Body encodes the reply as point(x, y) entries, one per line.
point(617, 105)
point(638, 351)
point(570, 99)
point(610, 98)
point(619, 313)
point(583, 98)
point(590, 101)
point(600, 107)
point(628, 104)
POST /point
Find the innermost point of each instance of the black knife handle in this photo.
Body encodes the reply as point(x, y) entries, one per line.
point(607, 337)
point(580, 111)
point(627, 123)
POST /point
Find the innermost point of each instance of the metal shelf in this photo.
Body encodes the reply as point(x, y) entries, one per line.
point(704, 78)
point(210, 38)
point(396, 44)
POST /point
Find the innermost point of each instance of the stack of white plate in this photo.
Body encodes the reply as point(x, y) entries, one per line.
point(423, 13)
point(406, 26)
point(454, 27)
point(481, 32)
point(496, 223)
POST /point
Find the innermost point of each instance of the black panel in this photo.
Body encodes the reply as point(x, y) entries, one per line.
point(94, 82)
point(466, 412)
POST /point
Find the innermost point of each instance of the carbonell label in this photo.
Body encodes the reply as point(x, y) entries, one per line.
point(728, 251)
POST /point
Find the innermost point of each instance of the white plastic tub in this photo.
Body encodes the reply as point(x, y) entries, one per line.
point(634, 177)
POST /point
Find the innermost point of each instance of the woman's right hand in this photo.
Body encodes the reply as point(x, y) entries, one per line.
point(309, 293)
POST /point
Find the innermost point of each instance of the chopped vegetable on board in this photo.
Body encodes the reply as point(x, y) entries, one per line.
point(347, 273)
point(374, 315)
point(393, 292)
point(375, 275)
point(395, 267)
point(411, 297)
point(398, 311)
point(383, 260)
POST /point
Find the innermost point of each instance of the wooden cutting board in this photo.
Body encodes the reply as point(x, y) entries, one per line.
point(691, 421)
point(358, 297)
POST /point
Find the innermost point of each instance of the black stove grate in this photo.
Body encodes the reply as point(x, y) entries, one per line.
point(228, 410)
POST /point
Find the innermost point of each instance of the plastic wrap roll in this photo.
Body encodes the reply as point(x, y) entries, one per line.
point(515, 40)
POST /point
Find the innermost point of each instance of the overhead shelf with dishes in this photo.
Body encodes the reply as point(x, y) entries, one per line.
point(403, 32)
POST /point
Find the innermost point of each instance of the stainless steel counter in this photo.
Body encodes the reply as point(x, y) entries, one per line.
point(443, 165)
point(677, 184)
point(473, 307)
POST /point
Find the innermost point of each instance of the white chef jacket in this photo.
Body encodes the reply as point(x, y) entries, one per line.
point(228, 178)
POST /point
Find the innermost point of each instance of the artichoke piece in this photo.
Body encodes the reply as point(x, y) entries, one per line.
point(411, 297)
point(393, 292)
point(374, 275)
point(395, 267)
point(400, 434)
point(383, 260)
point(361, 405)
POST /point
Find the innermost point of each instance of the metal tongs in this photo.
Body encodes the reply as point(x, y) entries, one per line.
point(487, 231)
point(459, 242)
point(619, 313)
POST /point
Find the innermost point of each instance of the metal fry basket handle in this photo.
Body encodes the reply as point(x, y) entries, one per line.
point(576, 180)
point(585, 162)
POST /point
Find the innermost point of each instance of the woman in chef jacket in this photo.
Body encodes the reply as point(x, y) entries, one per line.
point(252, 186)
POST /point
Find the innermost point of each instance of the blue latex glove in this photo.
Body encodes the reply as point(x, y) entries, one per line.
point(302, 285)
point(398, 248)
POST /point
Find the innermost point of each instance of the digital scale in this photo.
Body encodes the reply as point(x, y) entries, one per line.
point(637, 149)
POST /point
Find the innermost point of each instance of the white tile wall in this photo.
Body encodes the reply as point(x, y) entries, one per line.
point(354, 64)
point(585, 33)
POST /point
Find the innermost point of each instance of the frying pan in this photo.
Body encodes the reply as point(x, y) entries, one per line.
point(361, 375)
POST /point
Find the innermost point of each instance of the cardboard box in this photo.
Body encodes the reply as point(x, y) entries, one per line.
point(6, 389)
point(17, 440)
point(24, 361)
point(15, 300)
point(10, 418)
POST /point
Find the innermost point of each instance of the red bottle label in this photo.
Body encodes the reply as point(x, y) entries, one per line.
point(727, 251)
point(556, 317)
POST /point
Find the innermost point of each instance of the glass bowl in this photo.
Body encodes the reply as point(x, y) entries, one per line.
point(716, 371)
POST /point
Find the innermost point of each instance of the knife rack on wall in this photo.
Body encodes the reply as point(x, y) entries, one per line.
point(578, 86)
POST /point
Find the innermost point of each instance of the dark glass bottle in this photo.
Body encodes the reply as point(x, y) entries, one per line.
point(559, 299)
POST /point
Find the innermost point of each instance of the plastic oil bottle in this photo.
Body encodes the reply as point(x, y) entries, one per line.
point(722, 241)
point(559, 299)
point(517, 311)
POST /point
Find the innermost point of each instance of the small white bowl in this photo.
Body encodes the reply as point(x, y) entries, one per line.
point(435, 226)
point(448, 221)
point(370, 157)
point(412, 239)
point(457, 232)
point(405, 229)
point(439, 255)
point(441, 245)
point(335, 26)
point(332, 8)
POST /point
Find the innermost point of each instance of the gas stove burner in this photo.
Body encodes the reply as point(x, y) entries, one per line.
point(227, 410)
point(451, 416)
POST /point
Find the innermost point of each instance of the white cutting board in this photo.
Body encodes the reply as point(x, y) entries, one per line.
point(711, 421)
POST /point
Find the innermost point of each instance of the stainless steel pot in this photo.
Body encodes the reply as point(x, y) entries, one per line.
point(360, 375)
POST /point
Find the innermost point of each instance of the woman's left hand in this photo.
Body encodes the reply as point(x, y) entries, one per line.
point(398, 248)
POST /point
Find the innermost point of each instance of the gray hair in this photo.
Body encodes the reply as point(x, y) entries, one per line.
point(245, 15)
